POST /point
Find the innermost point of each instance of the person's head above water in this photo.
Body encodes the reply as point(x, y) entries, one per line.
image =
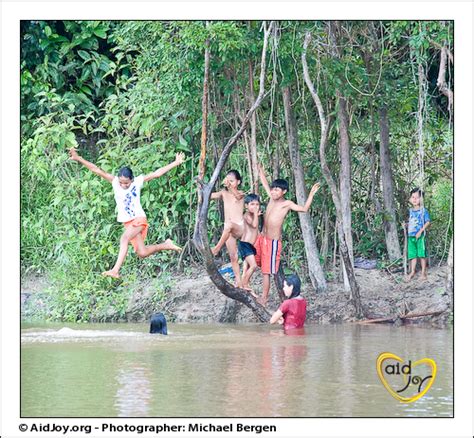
point(125, 177)
point(292, 286)
point(158, 324)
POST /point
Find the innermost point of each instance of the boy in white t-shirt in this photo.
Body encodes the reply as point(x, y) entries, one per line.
point(130, 212)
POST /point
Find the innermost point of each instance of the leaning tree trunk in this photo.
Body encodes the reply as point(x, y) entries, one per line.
point(316, 273)
point(345, 179)
point(390, 222)
point(200, 238)
point(332, 185)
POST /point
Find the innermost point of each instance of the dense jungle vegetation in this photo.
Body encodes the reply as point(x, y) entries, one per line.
point(130, 93)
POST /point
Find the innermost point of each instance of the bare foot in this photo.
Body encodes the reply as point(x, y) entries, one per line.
point(424, 277)
point(262, 301)
point(409, 277)
point(250, 291)
point(111, 273)
point(171, 246)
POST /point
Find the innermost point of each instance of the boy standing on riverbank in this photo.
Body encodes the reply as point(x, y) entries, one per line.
point(418, 222)
point(268, 244)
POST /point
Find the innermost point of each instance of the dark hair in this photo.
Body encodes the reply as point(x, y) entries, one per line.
point(417, 190)
point(251, 197)
point(294, 280)
point(158, 324)
point(280, 184)
point(126, 172)
point(235, 173)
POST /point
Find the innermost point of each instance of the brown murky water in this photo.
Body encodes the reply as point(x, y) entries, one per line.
point(119, 370)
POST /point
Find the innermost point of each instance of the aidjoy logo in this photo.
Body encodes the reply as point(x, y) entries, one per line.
point(400, 380)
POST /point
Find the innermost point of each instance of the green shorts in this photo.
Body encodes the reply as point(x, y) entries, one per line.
point(416, 247)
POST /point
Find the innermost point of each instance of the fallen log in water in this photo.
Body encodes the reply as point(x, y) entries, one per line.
point(392, 319)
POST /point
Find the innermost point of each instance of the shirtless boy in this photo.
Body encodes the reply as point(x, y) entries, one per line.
point(233, 219)
point(268, 244)
point(246, 246)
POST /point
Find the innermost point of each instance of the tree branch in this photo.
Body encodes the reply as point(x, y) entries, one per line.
point(441, 81)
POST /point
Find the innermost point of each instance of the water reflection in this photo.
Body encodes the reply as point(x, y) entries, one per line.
point(134, 391)
point(226, 371)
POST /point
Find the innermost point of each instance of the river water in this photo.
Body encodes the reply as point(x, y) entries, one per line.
point(254, 370)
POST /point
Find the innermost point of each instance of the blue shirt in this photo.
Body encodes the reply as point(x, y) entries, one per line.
point(418, 218)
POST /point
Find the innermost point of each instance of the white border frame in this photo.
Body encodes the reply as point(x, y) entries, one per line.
point(461, 12)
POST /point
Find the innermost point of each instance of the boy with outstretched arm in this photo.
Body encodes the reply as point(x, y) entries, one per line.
point(246, 244)
point(268, 244)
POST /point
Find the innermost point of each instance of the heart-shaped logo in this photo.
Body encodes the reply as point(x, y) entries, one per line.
point(405, 372)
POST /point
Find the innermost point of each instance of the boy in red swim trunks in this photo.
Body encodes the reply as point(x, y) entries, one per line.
point(268, 244)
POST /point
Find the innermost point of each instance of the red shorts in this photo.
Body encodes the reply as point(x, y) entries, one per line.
point(268, 254)
point(137, 222)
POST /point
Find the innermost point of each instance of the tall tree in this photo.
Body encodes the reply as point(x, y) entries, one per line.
point(316, 273)
point(324, 123)
point(334, 28)
point(390, 222)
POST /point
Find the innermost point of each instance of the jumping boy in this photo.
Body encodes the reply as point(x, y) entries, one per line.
point(418, 222)
point(268, 244)
point(127, 190)
point(246, 246)
point(233, 219)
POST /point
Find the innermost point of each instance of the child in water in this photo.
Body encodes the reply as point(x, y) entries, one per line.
point(127, 196)
point(292, 312)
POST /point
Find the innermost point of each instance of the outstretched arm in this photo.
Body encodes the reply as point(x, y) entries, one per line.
point(157, 173)
point(263, 179)
point(305, 208)
point(91, 166)
point(216, 195)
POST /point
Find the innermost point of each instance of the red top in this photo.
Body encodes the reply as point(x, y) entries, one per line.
point(294, 312)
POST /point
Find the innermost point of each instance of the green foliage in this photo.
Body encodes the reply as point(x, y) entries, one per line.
point(440, 206)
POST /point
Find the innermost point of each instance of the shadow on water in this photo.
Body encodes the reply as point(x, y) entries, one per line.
point(118, 370)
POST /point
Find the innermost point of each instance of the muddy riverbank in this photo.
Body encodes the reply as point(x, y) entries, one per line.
point(193, 298)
